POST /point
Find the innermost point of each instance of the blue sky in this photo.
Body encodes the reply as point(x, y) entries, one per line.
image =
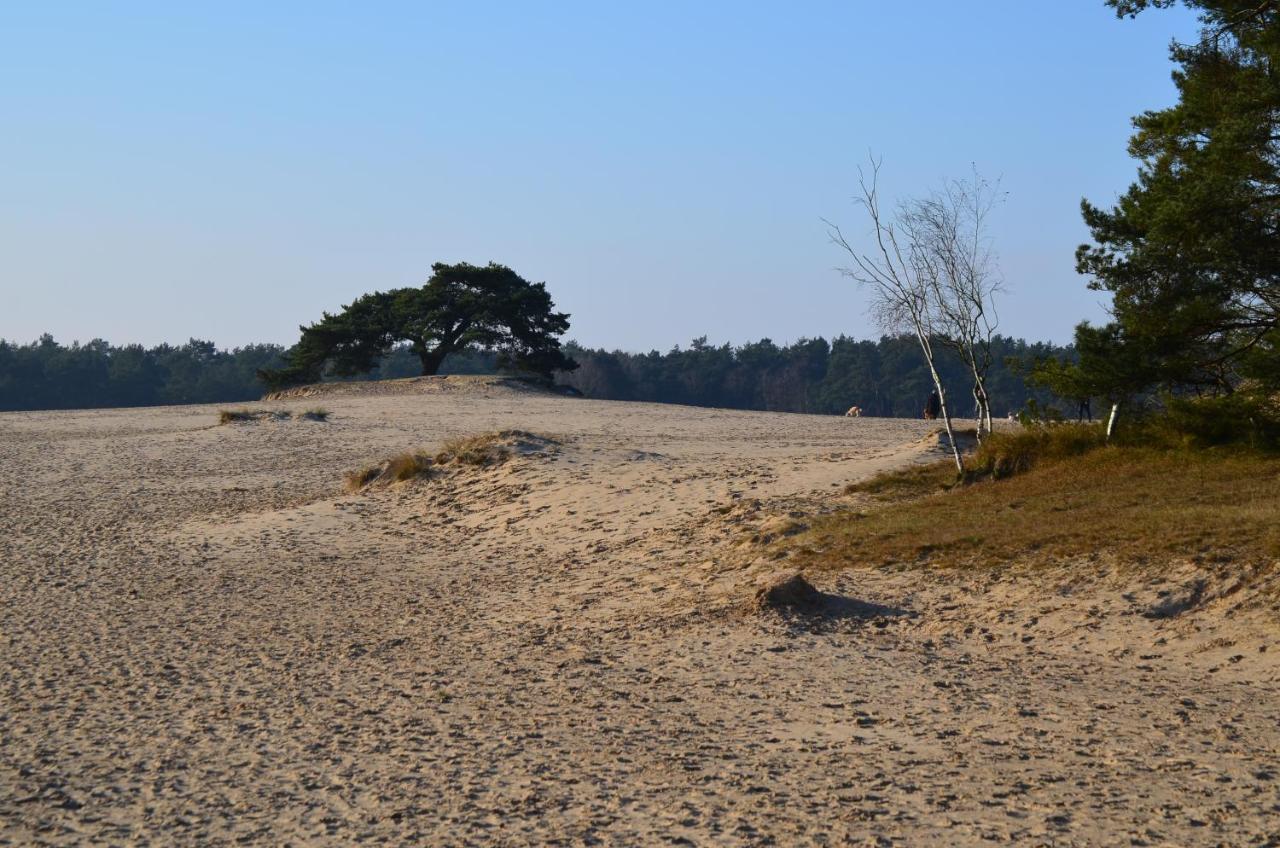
point(227, 171)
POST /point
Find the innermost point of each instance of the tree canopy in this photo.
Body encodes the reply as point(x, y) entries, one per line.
point(461, 306)
point(1191, 253)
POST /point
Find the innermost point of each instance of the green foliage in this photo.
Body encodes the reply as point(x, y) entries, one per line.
point(1240, 418)
point(462, 306)
point(48, 375)
point(1105, 363)
point(886, 378)
point(1036, 413)
point(1189, 252)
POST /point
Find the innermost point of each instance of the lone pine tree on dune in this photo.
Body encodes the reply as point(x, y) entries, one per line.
point(461, 306)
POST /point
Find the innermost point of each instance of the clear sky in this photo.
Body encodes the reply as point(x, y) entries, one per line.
point(228, 170)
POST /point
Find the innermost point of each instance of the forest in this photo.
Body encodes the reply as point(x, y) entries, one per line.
point(887, 377)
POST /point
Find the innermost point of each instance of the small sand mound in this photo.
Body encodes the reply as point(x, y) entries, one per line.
point(787, 591)
point(454, 384)
point(493, 448)
point(481, 451)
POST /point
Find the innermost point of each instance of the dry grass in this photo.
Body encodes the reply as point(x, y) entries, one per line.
point(911, 482)
point(237, 416)
point(240, 416)
point(486, 449)
point(1134, 503)
point(232, 416)
point(398, 469)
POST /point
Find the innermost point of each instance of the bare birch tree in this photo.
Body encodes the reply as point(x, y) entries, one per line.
point(947, 231)
point(893, 271)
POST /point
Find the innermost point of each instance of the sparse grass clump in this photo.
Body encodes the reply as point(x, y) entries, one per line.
point(486, 449)
point(240, 416)
point(231, 416)
point(398, 469)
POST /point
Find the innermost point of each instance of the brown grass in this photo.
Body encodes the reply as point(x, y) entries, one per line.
point(236, 416)
point(1134, 503)
point(239, 416)
point(231, 416)
point(482, 450)
point(398, 469)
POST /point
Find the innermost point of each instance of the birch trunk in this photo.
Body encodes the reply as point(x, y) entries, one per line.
point(982, 399)
point(1111, 420)
point(927, 349)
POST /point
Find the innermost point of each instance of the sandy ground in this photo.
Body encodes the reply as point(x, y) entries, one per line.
point(206, 641)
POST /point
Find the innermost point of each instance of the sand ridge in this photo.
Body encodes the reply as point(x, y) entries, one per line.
point(208, 640)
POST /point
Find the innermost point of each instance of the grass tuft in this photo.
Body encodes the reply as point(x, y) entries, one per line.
point(486, 449)
point(398, 469)
point(240, 416)
point(232, 416)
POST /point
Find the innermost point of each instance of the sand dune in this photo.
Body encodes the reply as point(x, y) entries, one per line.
point(207, 639)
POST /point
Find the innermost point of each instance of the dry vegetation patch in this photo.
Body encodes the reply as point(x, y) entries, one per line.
point(241, 416)
point(479, 451)
point(1132, 503)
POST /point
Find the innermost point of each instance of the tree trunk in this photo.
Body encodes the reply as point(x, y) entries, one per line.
point(431, 359)
point(1111, 420)
point(982, 400)
point(980, 408)
point(927, 349)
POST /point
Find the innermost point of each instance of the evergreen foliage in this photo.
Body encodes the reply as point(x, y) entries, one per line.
point(1191, 252)
point(886, 377)
point(461, 306)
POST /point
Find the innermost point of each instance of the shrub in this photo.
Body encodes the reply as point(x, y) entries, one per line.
point(1242, 418)
point(1014, 451)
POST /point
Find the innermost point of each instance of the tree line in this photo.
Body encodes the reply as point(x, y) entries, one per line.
point(887, 377)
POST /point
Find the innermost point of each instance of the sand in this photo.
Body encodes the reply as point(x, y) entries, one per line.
point(207, 640)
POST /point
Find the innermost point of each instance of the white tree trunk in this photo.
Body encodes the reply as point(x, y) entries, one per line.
point(1111, 420)
point(982, 399)
point(927, 349)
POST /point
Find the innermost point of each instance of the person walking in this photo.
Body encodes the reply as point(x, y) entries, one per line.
point(933, 406)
